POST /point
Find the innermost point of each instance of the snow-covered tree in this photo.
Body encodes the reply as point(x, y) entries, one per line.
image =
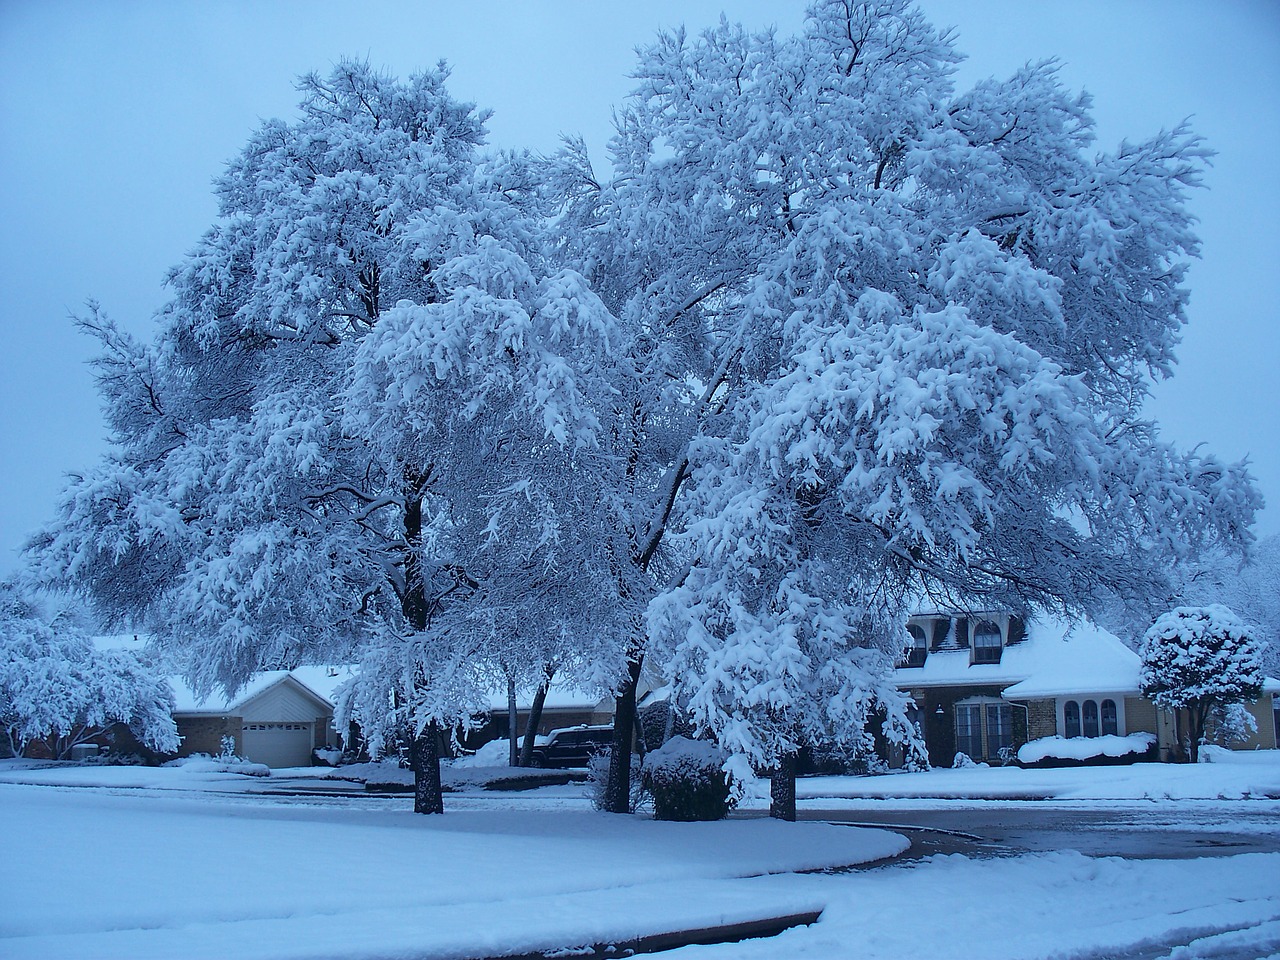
point(831, 336)
point(56, 687)
point(352, 435)
point(1196, 660)
point(925, 322)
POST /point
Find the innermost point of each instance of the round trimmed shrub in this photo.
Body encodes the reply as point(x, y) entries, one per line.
point(686, 780)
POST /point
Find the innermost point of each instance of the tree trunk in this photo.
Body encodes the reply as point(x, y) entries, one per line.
point(1197, 717)
point(617, 794)
point(424, 753)
point(513, 753)
point(535, 718)
point(424, 757)
point(782, 789)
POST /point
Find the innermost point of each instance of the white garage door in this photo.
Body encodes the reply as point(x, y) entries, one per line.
point(278, 744)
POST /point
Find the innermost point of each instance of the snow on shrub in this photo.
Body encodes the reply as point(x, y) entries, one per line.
point(203, 763)
point(1084, 748)
point(687, 780)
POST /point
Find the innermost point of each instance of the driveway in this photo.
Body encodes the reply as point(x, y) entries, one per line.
point(1169, 832)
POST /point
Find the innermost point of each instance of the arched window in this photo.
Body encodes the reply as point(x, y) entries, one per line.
point(986, 643)
point(1071, 718)
point(1091, 718)
point(919, 648)
point(1109, 718)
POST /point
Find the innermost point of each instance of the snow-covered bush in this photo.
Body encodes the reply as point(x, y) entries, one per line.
point(1084, 749)
point(660, 721)
point(688, 781)
point(326, 756)
point(964, 762)
point(1197, 659)
point(204, 763)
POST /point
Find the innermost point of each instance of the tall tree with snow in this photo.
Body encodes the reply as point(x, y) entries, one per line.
point(58, 689)
point(1196, 660)
point(915, 327)
point(351, 437)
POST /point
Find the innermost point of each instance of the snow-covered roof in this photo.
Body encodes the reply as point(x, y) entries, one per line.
point(219, 702)
point(122, 641)
point(1056, 658)
point(324, 680)
point(558, 698)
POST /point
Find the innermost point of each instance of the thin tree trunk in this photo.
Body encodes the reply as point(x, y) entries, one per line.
point(1198, 717)
point(782, 789)
point(424, 756)
point(617, 795)
point(535, 717)
point(424, 753)
point(513, 752)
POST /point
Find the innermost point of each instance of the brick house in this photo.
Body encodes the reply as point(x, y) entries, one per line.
point(986, 683)
point(278, 718)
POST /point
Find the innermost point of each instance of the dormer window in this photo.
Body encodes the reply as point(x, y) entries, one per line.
point(919, 648)
point(987, 643)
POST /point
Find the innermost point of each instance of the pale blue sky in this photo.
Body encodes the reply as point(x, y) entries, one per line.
point(114, 117)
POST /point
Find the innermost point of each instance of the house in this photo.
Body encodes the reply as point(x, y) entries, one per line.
point(986, 683)
point(279, 718)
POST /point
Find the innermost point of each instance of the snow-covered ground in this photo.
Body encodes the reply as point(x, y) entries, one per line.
point(87, 873)
point(1234, 776)
point(192, 862)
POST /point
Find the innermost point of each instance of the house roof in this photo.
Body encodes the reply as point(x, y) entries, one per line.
point(1056, 658)
point(558, 698)
point(218, 702)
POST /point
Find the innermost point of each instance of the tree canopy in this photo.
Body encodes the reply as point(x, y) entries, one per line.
point(830, 337)
point(58, 688)
point(1195, 659)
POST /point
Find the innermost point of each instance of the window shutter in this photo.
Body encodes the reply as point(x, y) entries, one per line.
point(1017, 629)
point(940, 630)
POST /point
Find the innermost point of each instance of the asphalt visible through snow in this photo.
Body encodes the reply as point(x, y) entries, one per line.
point(1171, 832)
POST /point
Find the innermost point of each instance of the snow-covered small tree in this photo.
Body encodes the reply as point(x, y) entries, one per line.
point(1196, 659)
point(56, 687)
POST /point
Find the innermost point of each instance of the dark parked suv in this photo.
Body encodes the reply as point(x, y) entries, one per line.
point(572, 746)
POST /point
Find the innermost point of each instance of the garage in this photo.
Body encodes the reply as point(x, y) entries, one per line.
point(278, 744)
point(274, 719)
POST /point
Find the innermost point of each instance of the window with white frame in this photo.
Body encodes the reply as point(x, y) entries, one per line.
point(987, 643)
point(969, 730)
point(1071, 719)
point(1091, 718)
point(1110, 724)
point(984, 726)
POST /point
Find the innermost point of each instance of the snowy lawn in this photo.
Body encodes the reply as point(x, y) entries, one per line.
point(93, 873)
point(1232, 776)
point(1063, 906)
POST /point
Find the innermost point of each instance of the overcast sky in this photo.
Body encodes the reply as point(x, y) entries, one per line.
point(115, 116)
